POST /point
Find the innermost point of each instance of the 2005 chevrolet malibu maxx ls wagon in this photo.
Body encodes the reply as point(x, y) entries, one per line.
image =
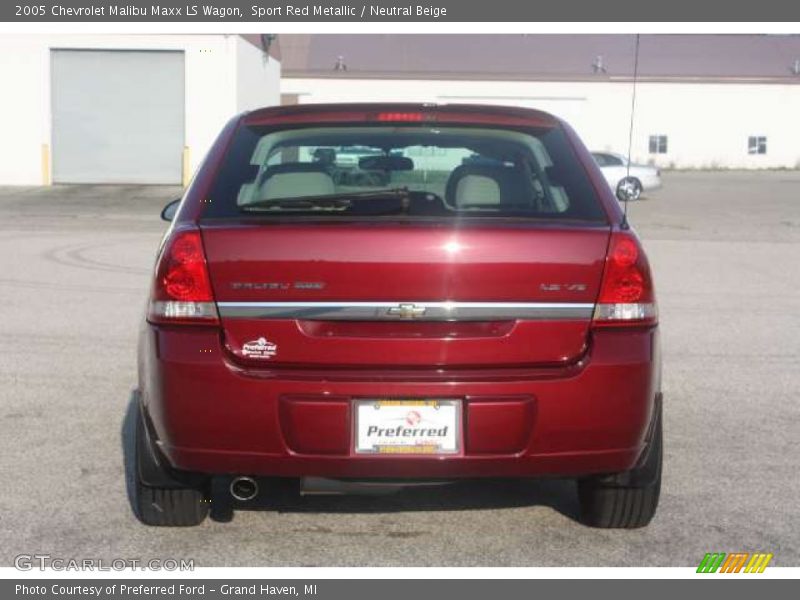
point(397, 294)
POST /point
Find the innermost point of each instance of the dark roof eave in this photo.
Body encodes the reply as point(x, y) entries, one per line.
point(296, 74)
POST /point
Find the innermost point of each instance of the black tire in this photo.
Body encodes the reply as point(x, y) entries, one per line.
point(167, 507)
point(626, 500)
point(221, 509)
point(174, 504)
point(635, 187)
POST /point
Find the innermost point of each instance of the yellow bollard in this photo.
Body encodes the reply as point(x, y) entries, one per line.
point(186, 173)
point(46, 164)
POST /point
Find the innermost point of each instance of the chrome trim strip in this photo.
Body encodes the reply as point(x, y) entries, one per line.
point(406, 311)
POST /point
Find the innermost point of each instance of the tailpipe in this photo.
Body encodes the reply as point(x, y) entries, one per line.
point(244, 489)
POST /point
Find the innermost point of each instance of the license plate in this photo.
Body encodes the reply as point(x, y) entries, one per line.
point(408, 426)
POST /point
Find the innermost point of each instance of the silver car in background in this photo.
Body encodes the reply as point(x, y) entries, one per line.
point(640, 178)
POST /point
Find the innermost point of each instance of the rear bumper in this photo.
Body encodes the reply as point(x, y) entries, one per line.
point(210, 416)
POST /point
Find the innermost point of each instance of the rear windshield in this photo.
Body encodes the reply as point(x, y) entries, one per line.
point(409, 170)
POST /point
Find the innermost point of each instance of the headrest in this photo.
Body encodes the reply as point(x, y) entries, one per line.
point(294, 167)
point(476, 189)
point(484, 184)
point(295, 179)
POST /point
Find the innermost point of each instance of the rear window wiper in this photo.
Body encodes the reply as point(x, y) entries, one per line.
point(334, 202)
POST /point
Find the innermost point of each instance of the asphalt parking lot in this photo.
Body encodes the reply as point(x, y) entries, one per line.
point(725, 249)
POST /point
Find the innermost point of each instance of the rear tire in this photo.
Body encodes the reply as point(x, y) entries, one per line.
point(635, 187)
point(165, 507)
point(637, 190)
point(626, 500)
point(221, 509)
point(173, 505)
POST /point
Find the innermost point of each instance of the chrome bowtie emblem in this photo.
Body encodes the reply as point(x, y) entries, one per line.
point(406, 311)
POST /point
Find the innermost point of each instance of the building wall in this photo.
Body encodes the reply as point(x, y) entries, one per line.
point(707, 124)
point(216, 66)
point(258, 77)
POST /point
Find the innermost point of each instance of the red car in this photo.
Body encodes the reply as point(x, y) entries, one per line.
point(466, 300)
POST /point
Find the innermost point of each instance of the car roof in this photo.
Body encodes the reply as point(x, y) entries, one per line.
point(615, 154)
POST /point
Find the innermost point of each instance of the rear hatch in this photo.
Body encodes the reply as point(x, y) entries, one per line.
point(367, 295)
point(461, 237)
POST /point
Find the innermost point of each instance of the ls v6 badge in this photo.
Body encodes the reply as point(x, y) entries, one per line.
point(566, 287)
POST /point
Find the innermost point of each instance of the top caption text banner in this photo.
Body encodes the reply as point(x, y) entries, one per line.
point(393, 11)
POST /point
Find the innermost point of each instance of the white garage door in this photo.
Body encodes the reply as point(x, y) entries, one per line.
point(117, 116)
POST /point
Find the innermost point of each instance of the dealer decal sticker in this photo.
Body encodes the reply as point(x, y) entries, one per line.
point(260, 348)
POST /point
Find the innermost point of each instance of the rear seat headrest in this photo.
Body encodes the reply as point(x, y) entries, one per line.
point(484, 184)
point(295, 167)
point(295, 179)
point(477, 189)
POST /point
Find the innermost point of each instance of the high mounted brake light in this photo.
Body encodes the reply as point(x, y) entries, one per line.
point(182, 288)
point(406, 117)
point(626, 294)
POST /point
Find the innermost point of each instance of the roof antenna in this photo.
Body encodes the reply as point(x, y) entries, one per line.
point(624, 223)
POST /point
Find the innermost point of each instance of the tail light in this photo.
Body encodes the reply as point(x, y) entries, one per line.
point(626, 294)
point(182, 288)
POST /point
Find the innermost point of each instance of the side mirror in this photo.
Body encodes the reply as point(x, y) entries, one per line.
point(168, 212)
point(628, 189)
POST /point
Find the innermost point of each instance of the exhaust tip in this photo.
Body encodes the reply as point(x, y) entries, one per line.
point(244, 489)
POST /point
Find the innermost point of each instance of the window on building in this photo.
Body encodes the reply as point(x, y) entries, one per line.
point(658, 144)
point(757, 144)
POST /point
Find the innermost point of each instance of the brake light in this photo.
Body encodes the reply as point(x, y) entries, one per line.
point(182, 288)
point(626, 294)
point(412, 117)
